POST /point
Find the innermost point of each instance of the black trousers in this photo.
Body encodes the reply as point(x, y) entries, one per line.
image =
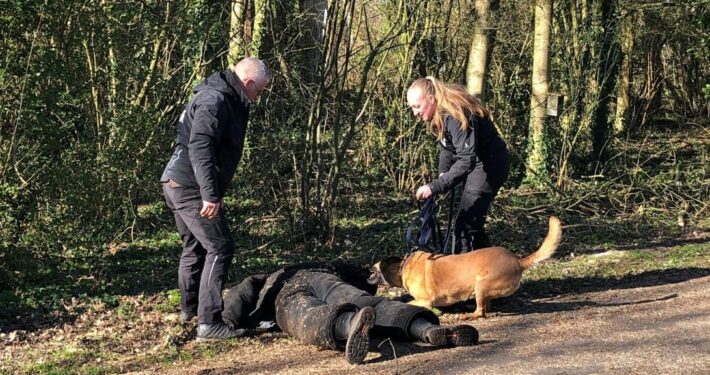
point(207, 251)
point(481, 186)
point(309, 303)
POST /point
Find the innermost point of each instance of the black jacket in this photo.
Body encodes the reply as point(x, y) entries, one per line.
point(464, 150)
point(210, 136)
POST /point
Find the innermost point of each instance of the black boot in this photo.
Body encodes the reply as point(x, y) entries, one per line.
point(355, 328)
point(461, 335)
point(219, 331)
point(341, 326)
point(418, 328)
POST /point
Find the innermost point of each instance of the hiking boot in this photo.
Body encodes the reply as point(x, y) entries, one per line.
point(359, 338)
point(186, 316)
point(218, 331)
point(461, 335)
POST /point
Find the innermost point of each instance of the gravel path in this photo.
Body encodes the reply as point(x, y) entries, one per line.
point(658, 324)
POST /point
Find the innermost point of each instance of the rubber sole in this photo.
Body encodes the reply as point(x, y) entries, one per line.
point(438, 336)
point(461, 335)
point(359, 338)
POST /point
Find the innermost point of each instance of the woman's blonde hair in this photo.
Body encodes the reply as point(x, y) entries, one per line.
point(451, 99)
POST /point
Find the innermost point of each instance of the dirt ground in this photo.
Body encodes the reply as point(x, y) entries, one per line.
point(657, 324)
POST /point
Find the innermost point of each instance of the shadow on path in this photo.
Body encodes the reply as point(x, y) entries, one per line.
point(526, 299)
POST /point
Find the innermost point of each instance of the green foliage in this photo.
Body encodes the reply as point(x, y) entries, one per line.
point(90, 92)
point(71, 360)
point(126, 310)
point(89, 119)
point(616, 264)
point(171, 303)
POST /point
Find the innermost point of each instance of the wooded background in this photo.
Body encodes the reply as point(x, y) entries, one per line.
point(90, 92)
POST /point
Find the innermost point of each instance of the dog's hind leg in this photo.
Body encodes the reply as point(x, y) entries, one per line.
point(483, 302)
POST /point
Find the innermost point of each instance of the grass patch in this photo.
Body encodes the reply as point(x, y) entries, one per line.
point(126, 310)
point(71, 360)
point(177, 355)
point(616, 263)
point(172, 301)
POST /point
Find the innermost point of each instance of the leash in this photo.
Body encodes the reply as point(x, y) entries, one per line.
point(429, 228)
point(448, 228)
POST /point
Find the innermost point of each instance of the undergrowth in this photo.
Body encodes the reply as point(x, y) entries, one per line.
point(652, 193)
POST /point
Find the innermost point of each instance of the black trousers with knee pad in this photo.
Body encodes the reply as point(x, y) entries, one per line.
point(310, 301)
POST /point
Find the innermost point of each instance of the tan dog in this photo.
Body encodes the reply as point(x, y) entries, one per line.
point(442, 280)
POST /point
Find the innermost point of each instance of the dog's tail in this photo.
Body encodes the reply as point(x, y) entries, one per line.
point(548, 247)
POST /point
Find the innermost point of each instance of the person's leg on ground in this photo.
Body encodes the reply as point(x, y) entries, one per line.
point(339, 326)
point(391, 317)
point(417, 323)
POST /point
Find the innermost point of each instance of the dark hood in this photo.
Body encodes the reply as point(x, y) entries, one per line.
point(227, 83)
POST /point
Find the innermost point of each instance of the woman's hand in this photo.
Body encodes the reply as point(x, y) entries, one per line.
point(423, 193)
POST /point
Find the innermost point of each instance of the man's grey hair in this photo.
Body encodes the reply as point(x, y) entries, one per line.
point(254, 68)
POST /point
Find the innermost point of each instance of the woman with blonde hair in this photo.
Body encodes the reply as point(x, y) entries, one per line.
point(471, 151)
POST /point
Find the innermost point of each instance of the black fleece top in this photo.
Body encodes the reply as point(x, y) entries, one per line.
point(462, 151)
point(210, 138)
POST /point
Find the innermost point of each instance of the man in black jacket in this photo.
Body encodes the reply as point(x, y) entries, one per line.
point(210, 141)
point(332, 306)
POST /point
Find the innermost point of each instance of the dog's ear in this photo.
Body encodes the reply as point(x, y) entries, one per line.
point(391, 272)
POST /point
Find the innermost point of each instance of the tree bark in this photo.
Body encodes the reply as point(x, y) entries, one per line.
point(537, 153)
point(237, 46)
point(257, 27)
point(478, 54)
point(607, 76)
point(622, 101)
point(315, 33)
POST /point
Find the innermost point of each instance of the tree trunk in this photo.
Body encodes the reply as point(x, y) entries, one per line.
point(257, 27)
point(622, 101)
point(650, 98)
point(315, 11)
point(607, 75)
point(537, 153)
point(245, 29)
point(479, 52)
point(237, 47)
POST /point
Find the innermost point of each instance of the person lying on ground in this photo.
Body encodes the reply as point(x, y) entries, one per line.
point(332, 305)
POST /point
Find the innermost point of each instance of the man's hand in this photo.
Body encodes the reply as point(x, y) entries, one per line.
point(209, 209)
point(423, 193)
